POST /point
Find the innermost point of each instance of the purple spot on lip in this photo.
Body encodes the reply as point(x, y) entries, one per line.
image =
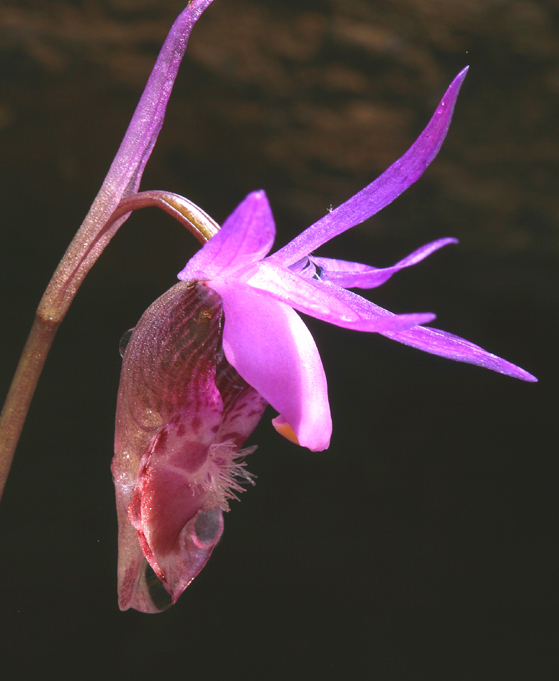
point(207, 525)
point(195, 425)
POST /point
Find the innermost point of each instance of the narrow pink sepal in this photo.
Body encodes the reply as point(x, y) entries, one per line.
point(445, 344)
point(357, 275)
point(435, 341)
point(327, 302)
point(384, 189)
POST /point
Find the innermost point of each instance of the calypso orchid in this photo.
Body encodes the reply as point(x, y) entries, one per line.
point(186, 426)
point(208, 356)
point(266, 341)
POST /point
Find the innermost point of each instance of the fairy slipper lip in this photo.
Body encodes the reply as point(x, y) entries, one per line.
point(265, 339)
point(183, 414)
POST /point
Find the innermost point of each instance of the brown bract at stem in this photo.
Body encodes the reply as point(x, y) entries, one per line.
point(70, 273)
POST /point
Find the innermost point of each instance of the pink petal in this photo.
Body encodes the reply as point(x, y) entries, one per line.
point(272, 349)
point(437, 342)
point(448, 345)
point(356, 275)
point(246, 237)
point(328, 302)
point(383, 190)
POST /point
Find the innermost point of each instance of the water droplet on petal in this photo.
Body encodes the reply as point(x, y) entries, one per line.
point(124, 342)
point(207, 525)
point(159, 595)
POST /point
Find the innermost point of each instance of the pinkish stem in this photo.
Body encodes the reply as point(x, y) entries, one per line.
point(70, 273)
point(114, 202)
point(21, 391)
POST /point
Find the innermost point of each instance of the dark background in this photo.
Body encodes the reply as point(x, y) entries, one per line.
point(422, 544)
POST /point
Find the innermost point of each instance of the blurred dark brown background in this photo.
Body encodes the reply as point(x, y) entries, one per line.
point(422, 545)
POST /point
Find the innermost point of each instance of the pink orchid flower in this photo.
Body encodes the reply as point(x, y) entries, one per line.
point(194, 392)
point(206, 357)
point(265, 339)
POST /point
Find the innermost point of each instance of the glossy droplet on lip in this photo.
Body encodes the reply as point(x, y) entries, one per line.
point(122, 344)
